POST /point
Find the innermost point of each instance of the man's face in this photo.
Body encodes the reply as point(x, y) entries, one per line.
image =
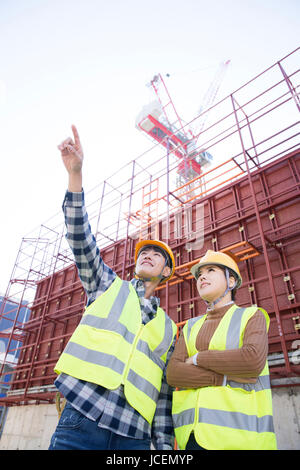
point(151, 263)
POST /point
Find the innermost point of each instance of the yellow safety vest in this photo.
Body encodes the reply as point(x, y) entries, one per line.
point(111, 347)
point(235, 416)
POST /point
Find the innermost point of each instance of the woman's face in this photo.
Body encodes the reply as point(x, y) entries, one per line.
point(211, 283)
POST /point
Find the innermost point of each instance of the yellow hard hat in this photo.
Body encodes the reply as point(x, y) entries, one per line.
point(218, 258)
point(164, 247)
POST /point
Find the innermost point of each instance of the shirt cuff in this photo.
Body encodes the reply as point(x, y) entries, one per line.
point(74, 199)
point(195, 359)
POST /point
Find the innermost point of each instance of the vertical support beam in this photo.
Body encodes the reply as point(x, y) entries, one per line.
point(119, 218)
point(243, 237)
point(290, 86)
point(128, 221)
point(261, 233)
point(168, 218)
point(100, 208)
point(168, 193)
point(44, 312)
point(251, 134)
point(212, 216)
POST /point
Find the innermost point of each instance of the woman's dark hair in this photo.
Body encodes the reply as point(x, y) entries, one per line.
point(232, 273)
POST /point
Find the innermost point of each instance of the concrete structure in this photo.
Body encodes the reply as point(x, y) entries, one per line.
point(286, 409)
point(29, 427)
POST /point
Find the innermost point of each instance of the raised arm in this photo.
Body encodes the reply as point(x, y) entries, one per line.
point(95, 275)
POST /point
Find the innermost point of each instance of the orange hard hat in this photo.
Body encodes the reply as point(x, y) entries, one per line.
point(218, 258)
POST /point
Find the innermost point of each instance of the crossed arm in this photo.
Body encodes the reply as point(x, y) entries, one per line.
point(241, 365)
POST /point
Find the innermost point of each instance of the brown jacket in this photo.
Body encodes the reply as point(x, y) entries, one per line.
point(241, 365)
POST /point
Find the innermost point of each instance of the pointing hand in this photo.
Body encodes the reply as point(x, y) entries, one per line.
point(72, 153)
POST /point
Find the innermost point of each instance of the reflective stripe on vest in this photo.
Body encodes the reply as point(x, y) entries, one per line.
point(237, 416)
point(111, 347)
point(226, 419)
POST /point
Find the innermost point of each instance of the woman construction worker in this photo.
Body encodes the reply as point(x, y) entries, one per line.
point(220, 367)
point(112, 371)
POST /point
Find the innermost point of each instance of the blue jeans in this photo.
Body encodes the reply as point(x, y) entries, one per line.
point(76, 432)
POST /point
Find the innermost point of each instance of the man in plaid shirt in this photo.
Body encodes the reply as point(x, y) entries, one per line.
point(95, 417)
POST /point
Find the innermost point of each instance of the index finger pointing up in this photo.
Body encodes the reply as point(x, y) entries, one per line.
point(76, 135)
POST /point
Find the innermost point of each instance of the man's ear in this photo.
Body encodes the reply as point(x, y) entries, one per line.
point(166, 271)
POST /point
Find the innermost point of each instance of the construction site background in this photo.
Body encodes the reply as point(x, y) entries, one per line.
point(244, 201)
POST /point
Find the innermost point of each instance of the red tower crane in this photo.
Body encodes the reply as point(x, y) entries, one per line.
point(160, 120)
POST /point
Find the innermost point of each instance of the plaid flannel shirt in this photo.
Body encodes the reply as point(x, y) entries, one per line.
point(110, 407)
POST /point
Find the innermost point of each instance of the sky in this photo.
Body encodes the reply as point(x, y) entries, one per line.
point(87, 62)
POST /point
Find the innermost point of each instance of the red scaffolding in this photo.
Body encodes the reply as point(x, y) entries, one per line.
point(247, 203)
